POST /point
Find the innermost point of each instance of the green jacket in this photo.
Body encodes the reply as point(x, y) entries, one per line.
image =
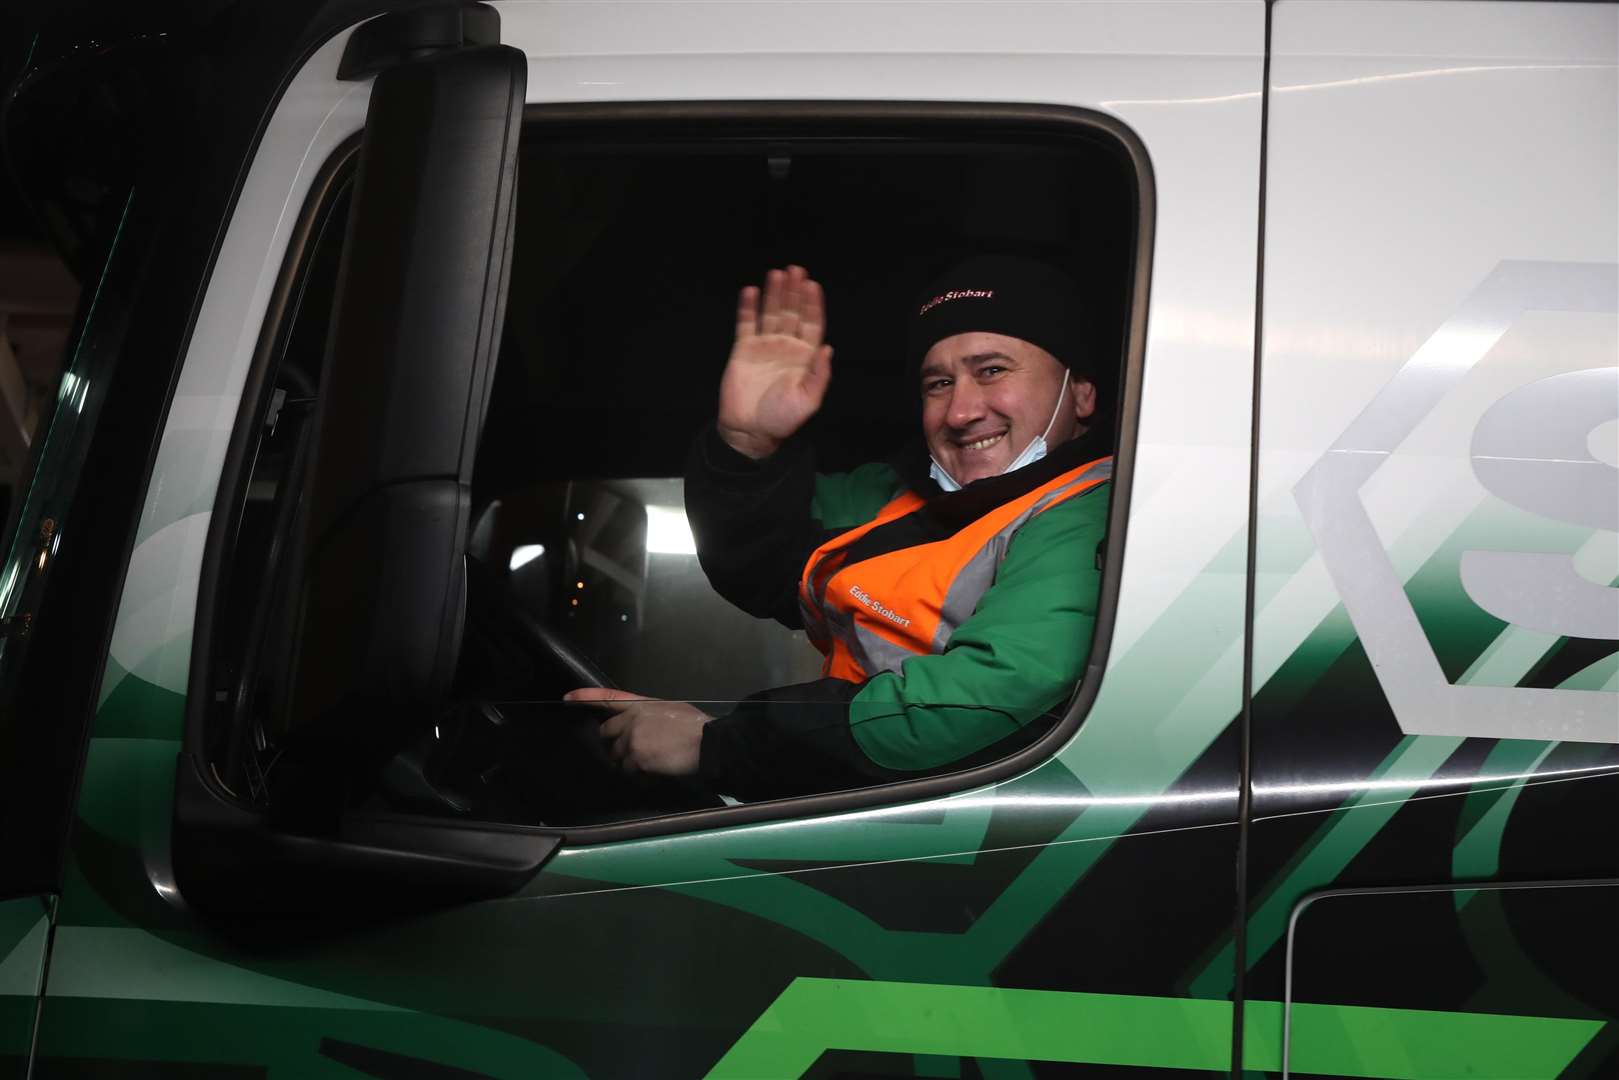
point(1003, 671)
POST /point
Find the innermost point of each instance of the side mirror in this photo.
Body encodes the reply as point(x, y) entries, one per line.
point(378, 550)
point(378, 553)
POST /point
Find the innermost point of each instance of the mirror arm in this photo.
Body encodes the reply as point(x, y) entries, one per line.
point(231, 858)
point(399, 37)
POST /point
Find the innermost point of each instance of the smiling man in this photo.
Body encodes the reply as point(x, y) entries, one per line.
point(952, 592)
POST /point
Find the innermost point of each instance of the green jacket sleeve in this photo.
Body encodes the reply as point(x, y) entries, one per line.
point(1018, 656)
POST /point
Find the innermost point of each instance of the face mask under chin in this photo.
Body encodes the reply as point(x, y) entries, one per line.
point(1031, 453)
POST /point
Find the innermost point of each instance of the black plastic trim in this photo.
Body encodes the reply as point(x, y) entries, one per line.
point(231, 494)
point(399, 37)
point(378, 550)
point(783, 120)
point(242, 861)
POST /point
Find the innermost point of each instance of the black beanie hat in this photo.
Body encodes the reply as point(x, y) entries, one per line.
point(1003, 294)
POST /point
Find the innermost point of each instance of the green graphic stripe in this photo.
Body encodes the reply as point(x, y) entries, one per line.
point(137, 708)
point(1602, 675)
point(24, 929)
point(168, 972)
point(1353, 1040)
point(24, 925)
point(1477, 854)
point(815, 1015)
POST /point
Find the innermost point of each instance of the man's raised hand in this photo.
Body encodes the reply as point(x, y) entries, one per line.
point(779, 369)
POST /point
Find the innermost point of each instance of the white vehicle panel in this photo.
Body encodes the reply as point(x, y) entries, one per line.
point(1440, 233)
point(548, 29)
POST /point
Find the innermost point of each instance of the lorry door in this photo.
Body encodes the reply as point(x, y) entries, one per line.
point(1066, 913)
point(1436, 719)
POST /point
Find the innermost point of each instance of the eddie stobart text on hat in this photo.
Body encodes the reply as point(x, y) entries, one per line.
point(952, 593)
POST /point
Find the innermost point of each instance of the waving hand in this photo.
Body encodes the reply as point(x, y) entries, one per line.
point(779, 369)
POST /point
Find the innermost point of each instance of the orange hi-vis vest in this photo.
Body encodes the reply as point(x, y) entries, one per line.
point(871, 616)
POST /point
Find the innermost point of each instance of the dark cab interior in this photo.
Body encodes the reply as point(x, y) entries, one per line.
point(630, 242)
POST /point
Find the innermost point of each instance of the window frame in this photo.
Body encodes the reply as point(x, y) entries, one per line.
point(744, 120)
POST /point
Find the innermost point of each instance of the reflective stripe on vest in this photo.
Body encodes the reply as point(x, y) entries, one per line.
point(872, 616)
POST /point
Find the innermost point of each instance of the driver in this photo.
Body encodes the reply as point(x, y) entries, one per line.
point(952, 592)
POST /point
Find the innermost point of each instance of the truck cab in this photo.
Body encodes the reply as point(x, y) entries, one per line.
point(396, 324)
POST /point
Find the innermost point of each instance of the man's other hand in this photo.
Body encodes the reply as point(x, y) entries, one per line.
point(779, 369)
point(648, 734)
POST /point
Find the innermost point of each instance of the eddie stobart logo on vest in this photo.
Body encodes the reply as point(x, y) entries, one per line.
point(865, 598)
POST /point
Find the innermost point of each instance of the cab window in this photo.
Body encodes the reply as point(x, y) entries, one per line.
point(631, 244)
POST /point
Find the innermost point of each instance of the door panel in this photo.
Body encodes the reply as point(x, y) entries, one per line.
point(1436, 629)
point(1071, 878)
point(1061, 881)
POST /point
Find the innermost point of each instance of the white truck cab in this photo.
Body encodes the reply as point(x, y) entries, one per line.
point(398, 322)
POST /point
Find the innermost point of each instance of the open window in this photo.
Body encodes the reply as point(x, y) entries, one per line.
point(635, 228)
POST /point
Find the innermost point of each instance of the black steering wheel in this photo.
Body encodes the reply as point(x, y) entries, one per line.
point(558, 648)
point(489, 595)
point(559, 769)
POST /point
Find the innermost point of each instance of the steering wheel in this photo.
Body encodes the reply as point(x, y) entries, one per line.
point(568, 656)
point(556, 649)
point(561, 762)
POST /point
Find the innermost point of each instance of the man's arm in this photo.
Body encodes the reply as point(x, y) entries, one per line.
point(1018, 657)
point(756, 522)
point(752, 524)
point(748, 488)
